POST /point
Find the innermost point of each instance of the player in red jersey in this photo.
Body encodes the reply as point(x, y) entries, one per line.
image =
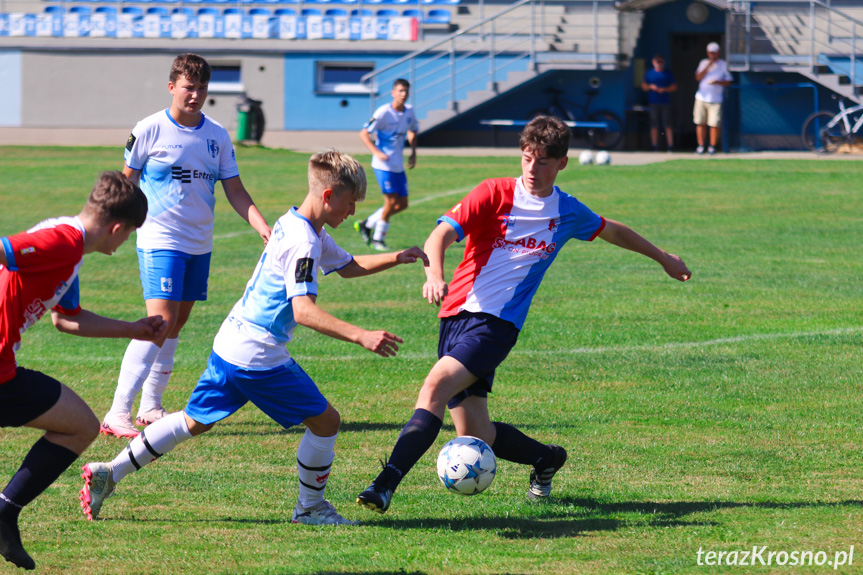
point(38, 273)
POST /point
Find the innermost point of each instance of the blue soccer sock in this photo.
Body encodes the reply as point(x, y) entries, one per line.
point(513, 445)
point(418, 434)
point(42, 466)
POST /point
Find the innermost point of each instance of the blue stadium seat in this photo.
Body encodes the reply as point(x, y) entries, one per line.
point(440, 2)
point(335, 12)
point(413, 13)
point(285, 12)
point(106, 10)
point(133, 10)
point(185, 10)
point(310, 12)
point(362, 12)
point(387, 13)
point(161, 11)
point(229, 11)
point(259, 12)
point(55, 9)
point(438, 16)
point(80, 10)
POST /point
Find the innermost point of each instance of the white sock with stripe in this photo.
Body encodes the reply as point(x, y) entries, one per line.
point(373, 219)
point(381, 229)
point(154, 442)
point(314, 460)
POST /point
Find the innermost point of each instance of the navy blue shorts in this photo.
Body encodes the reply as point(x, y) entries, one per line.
point(27, 396)
point(480, 342)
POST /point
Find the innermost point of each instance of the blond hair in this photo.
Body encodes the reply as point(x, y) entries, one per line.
point(337, 171)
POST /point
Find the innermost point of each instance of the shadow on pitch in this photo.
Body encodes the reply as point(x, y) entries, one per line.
point(271, 428)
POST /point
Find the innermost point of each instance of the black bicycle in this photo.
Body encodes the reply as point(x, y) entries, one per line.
point(604, 130)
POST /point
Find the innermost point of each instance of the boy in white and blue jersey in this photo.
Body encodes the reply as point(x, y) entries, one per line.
point(178, 155)
point(391, 124)
point(250, 362)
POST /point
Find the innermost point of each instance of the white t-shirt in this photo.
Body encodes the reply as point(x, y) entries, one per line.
point(179, 170)
point(260, 325)
point(391, 128)
point(712, 93)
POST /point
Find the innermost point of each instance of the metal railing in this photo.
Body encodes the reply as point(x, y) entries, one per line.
point(480, 56)
point(797, 32)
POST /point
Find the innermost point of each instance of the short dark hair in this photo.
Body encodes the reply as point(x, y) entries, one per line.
point(547, 134)
point(402, 82)
point(116, 198)
point(659, 57)
point(193, 67)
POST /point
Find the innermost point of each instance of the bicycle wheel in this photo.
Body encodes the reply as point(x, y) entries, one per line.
point(821, 139)
point(608, 138)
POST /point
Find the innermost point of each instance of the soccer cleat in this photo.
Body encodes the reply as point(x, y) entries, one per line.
point(376, 498)
point(11, 547)
point(540, 479)
point(98, 486)
point(699, 150)
point(379, 245)
point(152, 416)
point(711, 150)
point(322, 513)
point(360, 226)
point(119, 426)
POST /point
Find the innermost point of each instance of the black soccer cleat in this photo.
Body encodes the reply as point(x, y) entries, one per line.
point(11, 547)
point(376, 498)
point(540, 479)
point(365, 233)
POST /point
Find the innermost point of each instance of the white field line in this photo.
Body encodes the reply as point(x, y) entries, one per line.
point(662, 347)
point(421, 200)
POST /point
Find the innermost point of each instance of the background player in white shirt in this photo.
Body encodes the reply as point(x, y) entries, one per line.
point(514, 230)
point(713, 77)
point(178, 155)
point(391, 124)
point(250, 362)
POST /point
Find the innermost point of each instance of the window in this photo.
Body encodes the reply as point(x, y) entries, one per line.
point(342, 78)
point(226, 78)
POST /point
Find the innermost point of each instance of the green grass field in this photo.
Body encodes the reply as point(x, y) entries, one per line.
point(716, 415)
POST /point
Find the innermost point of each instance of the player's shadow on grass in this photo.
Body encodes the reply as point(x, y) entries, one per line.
point(266, 428)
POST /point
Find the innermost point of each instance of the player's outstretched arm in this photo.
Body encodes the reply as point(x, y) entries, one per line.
point(307, 313)
point(625, 237)
point(89, 324)
point(435, 287)
point(243, 204)
point(371, 264)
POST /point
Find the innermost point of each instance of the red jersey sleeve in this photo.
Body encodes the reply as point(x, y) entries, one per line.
point(479, 207)
point(43, 249)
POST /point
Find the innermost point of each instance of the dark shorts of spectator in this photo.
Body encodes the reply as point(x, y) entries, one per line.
point(480, 342)
point(27, 396)
point(660, 116)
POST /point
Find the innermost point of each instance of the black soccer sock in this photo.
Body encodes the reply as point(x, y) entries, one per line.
point(42, 466)
point(415, 439)
point(513, 445)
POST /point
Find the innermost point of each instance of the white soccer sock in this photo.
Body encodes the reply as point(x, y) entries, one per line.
point(160, 373)
point(137, 361)
point(158, 439)
point(373, 219)
point(381, 229)
point(314, 460)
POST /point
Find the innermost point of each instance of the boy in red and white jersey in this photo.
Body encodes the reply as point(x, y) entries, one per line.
point(514, 228)
point(38, 273)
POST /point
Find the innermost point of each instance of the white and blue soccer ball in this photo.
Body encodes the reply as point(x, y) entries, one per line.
point(466, 465)
point(603, 158)
point(585, 158)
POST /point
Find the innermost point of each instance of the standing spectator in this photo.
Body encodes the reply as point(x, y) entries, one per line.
point(659, 83)
point(391, 124)
point(713, 77)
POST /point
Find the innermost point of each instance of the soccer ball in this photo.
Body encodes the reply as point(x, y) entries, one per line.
point(466, 465)
point(585, 158)
point(603, 158)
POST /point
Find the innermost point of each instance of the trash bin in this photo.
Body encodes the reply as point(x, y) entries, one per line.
point(250, 120)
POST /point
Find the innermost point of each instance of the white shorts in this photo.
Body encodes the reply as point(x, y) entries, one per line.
point(709, 113)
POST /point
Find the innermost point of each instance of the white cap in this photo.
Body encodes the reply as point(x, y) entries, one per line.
point(713, 47)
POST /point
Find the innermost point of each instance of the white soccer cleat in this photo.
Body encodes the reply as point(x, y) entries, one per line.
point(98, 486)
point(322, 513)
point(146, 418)
point(119, 425)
